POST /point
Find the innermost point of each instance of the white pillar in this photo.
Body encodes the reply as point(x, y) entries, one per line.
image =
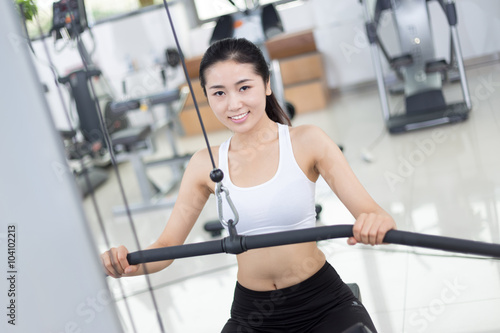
point(56, 278)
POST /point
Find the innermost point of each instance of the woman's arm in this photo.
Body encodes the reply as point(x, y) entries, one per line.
point(193, 195)
point(327, 160)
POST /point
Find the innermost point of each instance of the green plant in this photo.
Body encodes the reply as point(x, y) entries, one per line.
point(29, 8)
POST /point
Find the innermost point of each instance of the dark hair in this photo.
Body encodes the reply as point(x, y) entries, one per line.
point(243, 51)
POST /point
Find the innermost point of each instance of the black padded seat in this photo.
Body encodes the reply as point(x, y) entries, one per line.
point(224, 28)
point(271, 22)
point(130, 136)
point(67, 134)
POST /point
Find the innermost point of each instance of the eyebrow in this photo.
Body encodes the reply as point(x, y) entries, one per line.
point(219, 86)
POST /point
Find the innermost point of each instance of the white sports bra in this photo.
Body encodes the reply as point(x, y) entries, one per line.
point(285, 202)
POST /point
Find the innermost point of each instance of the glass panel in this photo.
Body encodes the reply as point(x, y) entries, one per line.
point(97, 10)
point(207, 10)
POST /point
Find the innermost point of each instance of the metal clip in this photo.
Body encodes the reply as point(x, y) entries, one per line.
point(220, 188)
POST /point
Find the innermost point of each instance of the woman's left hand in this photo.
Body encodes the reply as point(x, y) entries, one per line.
point(371, 228)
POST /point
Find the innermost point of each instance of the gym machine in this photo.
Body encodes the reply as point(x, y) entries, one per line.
point(68, 22)
point(129, 143)
point(417, 67)
point(134, 142)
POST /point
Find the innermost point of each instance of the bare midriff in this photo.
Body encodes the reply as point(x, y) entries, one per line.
point(279, 267)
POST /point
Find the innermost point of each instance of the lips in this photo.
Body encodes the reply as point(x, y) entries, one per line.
point(239, 118)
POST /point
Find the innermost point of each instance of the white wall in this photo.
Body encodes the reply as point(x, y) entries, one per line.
point(338, 29)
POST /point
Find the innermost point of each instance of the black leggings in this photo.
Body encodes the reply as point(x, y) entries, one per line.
point(322, 303)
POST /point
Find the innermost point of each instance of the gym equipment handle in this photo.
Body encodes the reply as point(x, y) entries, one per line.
point(175, 252)
point(237, 243)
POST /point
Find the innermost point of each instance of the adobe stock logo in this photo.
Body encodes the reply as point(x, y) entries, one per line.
point(407, 165)
point(422, 317)
point(360, 40)
point(486, 88)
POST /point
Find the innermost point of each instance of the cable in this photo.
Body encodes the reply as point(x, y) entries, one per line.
point(94, 44)
point(107, 139)
point(189, 84)
point(215, 176)
point(82, 165)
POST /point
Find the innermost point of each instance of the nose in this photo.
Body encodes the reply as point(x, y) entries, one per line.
point(234, 102)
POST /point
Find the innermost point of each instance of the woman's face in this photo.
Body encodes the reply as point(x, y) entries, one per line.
point(236, 94)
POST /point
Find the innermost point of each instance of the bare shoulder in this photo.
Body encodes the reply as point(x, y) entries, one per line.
point(309, 136)
point(200, 166)
point(312, 144)
point(202, 157)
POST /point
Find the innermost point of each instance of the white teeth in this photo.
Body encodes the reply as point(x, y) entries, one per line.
point(239, 117)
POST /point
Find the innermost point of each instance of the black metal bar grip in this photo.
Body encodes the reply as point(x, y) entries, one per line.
point(175, 252)
point(442, 243)
point(297, 236)
point(245, 243)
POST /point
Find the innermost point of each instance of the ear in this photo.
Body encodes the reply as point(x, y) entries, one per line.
point(268, 88)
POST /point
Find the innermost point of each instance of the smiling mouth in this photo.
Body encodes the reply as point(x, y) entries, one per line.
point(240, 116)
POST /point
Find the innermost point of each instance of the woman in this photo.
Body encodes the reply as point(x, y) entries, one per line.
point(270, 170)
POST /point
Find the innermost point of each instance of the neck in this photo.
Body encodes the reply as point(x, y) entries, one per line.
point(263, 133)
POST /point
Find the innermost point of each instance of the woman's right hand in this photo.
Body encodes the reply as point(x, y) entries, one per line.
point(116, 264)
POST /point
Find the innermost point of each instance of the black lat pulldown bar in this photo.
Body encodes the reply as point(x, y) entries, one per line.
point(236, 244)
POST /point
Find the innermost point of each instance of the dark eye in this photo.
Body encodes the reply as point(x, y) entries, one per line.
point(218, 93)
point(244, 88)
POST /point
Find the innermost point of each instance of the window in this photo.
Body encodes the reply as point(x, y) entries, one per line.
point(208, 10)
point(97, 11)
point(103, 9)
point(44, 18)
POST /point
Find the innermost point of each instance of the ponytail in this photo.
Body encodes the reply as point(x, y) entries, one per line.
point(275, 112)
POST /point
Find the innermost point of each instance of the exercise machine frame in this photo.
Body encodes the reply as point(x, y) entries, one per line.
point(422, 74)
point(135, 139)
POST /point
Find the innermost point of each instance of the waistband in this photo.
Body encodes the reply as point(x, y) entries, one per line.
point(326, 275)
point(295, 307)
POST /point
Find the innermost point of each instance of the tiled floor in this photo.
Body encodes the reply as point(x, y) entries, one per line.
point(442, 181)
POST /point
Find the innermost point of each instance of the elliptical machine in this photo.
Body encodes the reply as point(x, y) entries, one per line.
point(421, 73)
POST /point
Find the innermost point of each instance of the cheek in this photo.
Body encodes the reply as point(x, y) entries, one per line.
point(212, 103)
point(261, 102)
point(217, 107)
point(255, 100)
